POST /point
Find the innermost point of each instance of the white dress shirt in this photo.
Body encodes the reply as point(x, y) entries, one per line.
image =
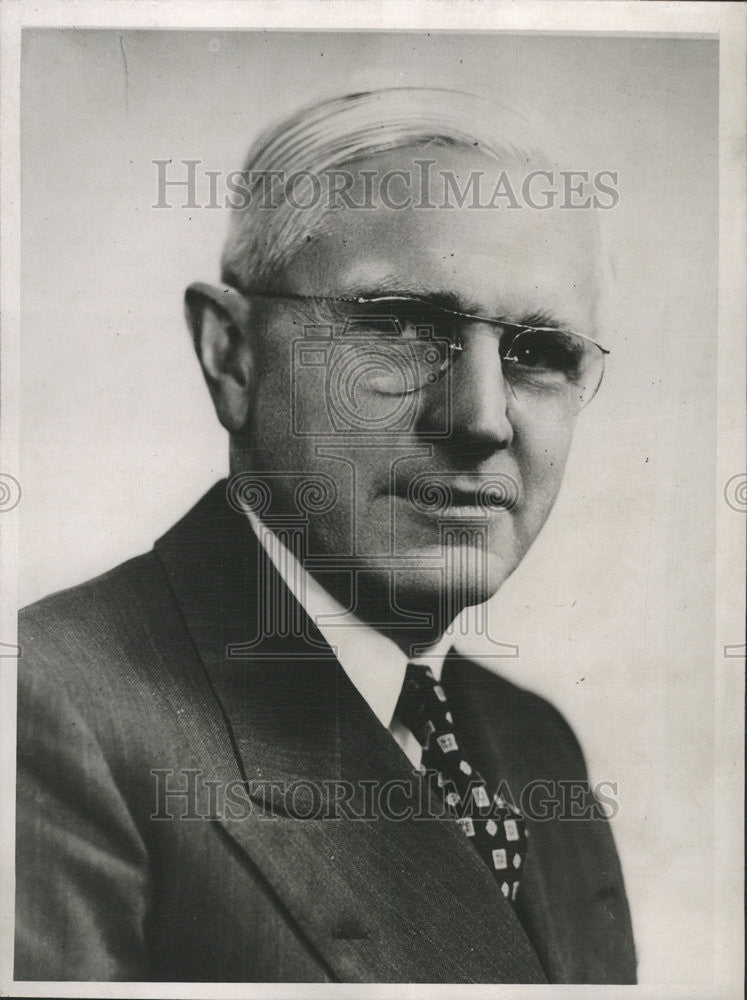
point(374, 663)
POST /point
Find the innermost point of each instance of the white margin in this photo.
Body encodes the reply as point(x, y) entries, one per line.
point(728, 21)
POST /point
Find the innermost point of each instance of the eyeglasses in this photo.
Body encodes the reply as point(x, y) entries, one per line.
point(399, 344)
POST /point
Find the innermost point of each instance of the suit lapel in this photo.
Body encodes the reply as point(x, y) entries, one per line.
point(571, 900)
point(379, 898)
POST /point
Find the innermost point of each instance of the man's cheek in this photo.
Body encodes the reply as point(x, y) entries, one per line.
point(544, 450)
point(541, 477)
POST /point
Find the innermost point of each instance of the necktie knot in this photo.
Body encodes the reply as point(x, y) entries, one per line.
point(422, 699)
point(419, 679)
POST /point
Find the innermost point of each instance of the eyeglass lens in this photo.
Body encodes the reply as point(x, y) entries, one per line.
point(405, 346)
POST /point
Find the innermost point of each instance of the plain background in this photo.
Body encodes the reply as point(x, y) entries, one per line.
point(613, 609)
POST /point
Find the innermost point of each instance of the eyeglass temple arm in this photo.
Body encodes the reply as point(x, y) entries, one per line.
point(363, 300)
point(475, 318)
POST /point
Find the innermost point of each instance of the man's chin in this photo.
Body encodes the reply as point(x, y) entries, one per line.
point(457, 576)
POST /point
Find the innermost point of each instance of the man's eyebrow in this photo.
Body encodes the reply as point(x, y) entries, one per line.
point(542, 319)
point(435, 297)
point(457, 303)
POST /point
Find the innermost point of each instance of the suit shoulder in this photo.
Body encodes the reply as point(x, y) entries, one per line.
point(536, 724)
point(535, 709)
point(112, 654)
point(96, 597)
point(96, 621)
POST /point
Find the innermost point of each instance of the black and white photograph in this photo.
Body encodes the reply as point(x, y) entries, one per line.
point(372, 499)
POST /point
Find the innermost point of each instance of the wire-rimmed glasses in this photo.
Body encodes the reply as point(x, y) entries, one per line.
point(400, 344)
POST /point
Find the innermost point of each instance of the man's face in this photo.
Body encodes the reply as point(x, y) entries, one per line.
point(465, 429)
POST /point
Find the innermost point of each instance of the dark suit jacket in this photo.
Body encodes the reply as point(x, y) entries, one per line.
point(126, 691)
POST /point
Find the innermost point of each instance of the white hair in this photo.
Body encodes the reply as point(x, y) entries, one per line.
point(328, 136)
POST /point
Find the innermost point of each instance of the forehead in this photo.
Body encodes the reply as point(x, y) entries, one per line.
point(500, 260)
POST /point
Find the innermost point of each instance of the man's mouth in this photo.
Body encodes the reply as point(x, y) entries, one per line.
point(445, 495)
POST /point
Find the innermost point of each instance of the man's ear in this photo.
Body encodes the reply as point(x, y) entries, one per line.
point(218, 317)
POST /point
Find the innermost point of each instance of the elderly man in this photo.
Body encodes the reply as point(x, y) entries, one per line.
point(251, 754)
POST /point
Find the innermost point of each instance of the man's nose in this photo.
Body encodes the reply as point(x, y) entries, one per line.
point(472, 406)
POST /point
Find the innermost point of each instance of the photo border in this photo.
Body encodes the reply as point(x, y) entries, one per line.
point(724, 21)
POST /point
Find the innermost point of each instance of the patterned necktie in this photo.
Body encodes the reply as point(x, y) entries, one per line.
point(495, 827)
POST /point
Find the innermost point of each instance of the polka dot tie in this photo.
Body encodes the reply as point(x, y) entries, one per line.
point(495, 827)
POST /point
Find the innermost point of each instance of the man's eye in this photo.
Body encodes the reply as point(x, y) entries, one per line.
point(387, 326)
point(395, 320)
point(545, 351)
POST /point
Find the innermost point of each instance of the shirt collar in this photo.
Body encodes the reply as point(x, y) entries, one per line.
point(373, 662)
